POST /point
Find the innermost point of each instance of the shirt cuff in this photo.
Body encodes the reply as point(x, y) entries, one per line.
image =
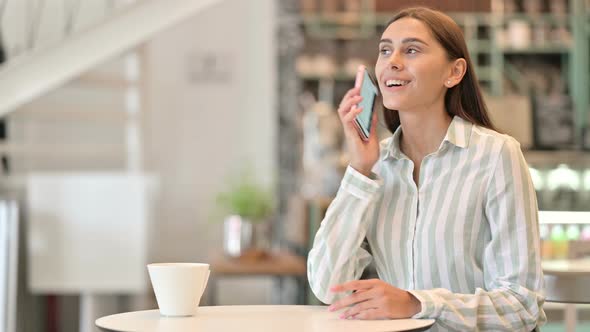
point(427, 302)
point(360, 185)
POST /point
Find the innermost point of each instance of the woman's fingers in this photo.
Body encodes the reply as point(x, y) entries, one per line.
point(369, 314)
point(350, 129)
point(360, 307)
point(353, 298)
point(347, 105)
point(355, 285)
point(351, 93)
point(348, 118)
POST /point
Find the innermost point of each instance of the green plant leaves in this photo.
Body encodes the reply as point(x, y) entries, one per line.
point(247, 199)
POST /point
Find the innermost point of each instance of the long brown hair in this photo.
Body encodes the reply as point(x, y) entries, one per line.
point(464, 99)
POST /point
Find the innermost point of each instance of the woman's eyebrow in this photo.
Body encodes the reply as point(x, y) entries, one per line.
point(405, 40)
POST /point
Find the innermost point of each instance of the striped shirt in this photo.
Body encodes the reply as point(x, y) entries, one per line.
point(465, 242)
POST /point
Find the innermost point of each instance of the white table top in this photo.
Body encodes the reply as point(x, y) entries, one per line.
point(567, 281)
point(567, 267)
point(285, 318)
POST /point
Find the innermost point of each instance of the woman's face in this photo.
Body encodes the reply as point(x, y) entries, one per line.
point(412, 67)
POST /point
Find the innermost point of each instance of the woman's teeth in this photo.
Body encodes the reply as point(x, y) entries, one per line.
point(390, 83)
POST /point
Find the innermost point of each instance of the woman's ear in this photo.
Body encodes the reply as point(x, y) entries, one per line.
point(458, 69)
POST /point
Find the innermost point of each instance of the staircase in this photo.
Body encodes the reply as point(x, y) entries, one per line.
point(34, 73)
point(72, 97)
point(95, 58)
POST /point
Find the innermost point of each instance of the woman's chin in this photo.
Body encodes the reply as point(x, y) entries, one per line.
point(394, 102)
point(393, 106)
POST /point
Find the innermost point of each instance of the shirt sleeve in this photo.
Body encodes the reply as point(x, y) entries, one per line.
point(336, 256)
point(513, 279)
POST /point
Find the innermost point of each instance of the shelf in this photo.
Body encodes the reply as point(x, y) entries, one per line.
point(275, 264)
point(544, 17)
point(564, 217)
point(549, 157)
point(479, 46)
point(340, 76)
point(547, 49)
point(347, 18)
point(483, 32)
point(344, 25)
point(346, 34)
point(339, 18)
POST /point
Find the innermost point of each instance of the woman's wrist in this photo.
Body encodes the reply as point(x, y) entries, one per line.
point(416, 305)
point(363, 170)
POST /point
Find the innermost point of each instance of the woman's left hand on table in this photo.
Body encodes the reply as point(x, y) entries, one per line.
point(375, 299)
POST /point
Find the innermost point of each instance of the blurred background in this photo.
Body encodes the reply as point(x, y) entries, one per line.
point(148, 131)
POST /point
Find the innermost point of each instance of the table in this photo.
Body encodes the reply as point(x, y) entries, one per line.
point(567, 281)
point(279, 265)
point(284, 318)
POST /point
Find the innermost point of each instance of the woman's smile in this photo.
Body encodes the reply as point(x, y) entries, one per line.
point(395, 85)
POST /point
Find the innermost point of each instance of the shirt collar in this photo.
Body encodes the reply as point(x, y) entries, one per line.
point(458, 134)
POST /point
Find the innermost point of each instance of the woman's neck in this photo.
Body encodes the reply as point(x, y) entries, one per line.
point(422, 132)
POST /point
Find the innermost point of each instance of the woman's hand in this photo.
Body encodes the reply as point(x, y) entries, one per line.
point(363, 154)
point(375, 299)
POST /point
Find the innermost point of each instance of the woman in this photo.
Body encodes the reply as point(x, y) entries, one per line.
point(446, 203)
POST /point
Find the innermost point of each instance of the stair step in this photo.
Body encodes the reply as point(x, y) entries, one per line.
point(103, 81)
point(57, 150)
point(37, 115)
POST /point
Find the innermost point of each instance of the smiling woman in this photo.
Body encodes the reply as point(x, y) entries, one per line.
point(446, 203)
point(448, 50)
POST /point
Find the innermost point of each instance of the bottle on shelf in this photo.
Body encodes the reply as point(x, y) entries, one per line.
point(572, 232)
point(585, 236)
point(585, 192)
point(546, 244)
point(573, 236)
point(580, 245)
point(559, 242)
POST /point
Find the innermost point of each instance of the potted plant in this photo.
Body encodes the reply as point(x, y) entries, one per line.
point(248, 207)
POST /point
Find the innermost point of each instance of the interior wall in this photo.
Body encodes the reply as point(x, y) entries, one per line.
point(212, 112)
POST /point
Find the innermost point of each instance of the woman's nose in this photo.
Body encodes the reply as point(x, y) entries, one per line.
point(395, 61)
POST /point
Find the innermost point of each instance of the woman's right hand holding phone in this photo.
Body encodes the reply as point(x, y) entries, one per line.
point(363, 154)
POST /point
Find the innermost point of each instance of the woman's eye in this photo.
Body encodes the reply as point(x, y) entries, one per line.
point(384, 51)
point(412, 51)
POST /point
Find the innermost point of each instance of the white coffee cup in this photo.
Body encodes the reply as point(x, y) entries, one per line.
point(178, 286)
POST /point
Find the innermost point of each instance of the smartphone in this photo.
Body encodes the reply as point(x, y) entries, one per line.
point(369, 92)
